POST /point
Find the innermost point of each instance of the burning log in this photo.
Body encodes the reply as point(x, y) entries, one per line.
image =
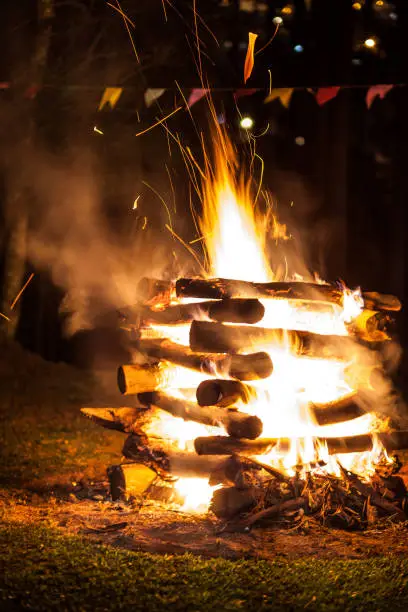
point(155, 290)
point(221, 288)
point(124, 420)
point(345, 409)
point(219, 338)
point(237, 424)
point(172, 463)
point(220, 392)
point(242, 367)
point(371, 326)
point(133, 379)
point(223, 445)
point(229, 310)
point(277, 509)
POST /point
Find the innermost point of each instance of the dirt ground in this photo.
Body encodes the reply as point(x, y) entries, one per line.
point(53, 471)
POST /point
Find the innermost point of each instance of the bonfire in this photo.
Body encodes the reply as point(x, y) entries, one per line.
point(258, 394)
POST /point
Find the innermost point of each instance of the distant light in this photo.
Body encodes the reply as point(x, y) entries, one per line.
point(370, 43)
point(298, 48)
point(227, 44)
point(97, 130)
point(287, 10)
point(277, 20)
point(356, 61)
point(357, 6)
point(246, 123)
point(379, 3)
point(300, 141)
point(135, 202)
point(393, 16)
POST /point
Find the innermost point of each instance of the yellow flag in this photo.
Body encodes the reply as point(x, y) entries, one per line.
point(283, 94)
point(110, 96)
point(249, 59)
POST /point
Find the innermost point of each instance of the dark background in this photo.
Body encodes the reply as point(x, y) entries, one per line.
point(348, 180)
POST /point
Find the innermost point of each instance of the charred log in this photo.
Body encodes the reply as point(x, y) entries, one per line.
point(125, 420)
point(229, 310)
point(242, 367)
point(276, 510)
point(230, 501)
point(222, 445)
point(221, 288)
point(154, 290)
point(129, 479)
point(220, 392)
point(372, 326)
point(237, 424)
point(219, 338)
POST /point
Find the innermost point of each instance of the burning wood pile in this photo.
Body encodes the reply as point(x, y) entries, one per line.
point(303, 412)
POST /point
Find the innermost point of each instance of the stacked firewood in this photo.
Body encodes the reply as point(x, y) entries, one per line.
point(223, 342)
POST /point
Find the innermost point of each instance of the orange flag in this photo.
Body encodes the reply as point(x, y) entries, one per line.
point(249, 59)
point(283, 94)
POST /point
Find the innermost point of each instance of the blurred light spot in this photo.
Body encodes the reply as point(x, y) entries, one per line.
point(277, 20)
point(135, 202)
point(357, 6)
point(97, 130)
point(246, 123)
point(356, 61)
point(370, 43)
point(300, 141)
point(379, 3)
point(287, 10)
point(227, 44)
point(221, 119)
point(393, 16)
point(298, 48)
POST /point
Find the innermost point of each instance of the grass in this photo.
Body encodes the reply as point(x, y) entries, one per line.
point(43, 570)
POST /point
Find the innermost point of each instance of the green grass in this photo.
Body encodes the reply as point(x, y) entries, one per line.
point(43, 570)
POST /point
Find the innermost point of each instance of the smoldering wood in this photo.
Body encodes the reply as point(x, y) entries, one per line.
point(235, 465)
point(155, 289)
point(219, 338)
point(133, 378)
point(372, 326)
point(230, 501)
point(345, 409)
point(124, 419)
point(288, 505)
point(223, 445)
point(229, 310)
point(221, 392)
point(221, 288)
point(237, 424)
point(243, 367)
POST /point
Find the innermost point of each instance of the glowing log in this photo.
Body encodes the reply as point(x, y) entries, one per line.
point(129, 479)
point(220, 288)
point(364, 376)
point(133, 379)
point(119, 419)
point(371, 326)
point(237, 424)
point(232, 311)
point(220, 392)
point(155, 290)
point(219, 338)
point(222, 445)
point(345, 409)
point(242, 367)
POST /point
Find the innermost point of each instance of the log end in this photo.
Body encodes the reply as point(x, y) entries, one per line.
point(249, 427)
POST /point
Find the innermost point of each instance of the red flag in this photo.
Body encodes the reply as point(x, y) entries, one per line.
point(379, 91)
point(241, 93)
point(324, 94)
point(196, 95)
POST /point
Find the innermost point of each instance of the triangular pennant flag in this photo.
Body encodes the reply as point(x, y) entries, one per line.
point(241, 93)
point(283, 94)
point(324, 94)
point(249, 58)
point(377, 91)
point(196, 95)
point(110, 96)
point(152, 94)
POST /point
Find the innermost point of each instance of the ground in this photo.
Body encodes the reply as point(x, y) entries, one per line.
point(64, 545)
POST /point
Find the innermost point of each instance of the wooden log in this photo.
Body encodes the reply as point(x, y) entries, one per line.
point(372, 326)
point(219, 338)
point(230, 501)
point(229, 310)
point(345, 409)
point(237, 424)
point(133, 379)
point(221, 288)
point(223, 445)
point(359, 376)
point(243, 367)
point(221, 392)
point(129, 479)
point(171, 462)
point(124, 420)
point(288, 505)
